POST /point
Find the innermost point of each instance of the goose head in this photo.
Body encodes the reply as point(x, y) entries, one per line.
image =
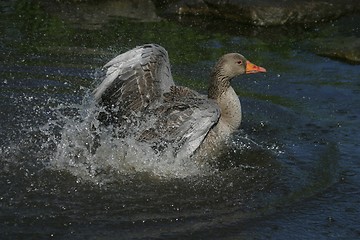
point(234, 64)
point(229, 66)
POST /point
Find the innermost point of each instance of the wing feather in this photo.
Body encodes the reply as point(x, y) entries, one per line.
point(184, 120)
point(135, 79)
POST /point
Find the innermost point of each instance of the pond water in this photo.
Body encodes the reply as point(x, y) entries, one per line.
point(291, 170)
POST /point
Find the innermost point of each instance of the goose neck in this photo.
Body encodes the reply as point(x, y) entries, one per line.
point(219, 83)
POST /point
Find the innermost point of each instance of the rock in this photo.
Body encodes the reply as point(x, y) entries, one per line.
point(343, 48)
point(93, 15)
point(266, 12)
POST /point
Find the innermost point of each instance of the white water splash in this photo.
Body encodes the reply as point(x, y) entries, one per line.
point(114, 155)
point(72, 132)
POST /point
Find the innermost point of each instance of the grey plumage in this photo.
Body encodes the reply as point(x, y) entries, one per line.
point(138, 84)
point(140, 97)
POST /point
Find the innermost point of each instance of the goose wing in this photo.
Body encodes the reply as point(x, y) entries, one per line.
point(184, 120)
point(135, 79)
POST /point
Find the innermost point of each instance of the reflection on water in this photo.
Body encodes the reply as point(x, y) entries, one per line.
point(290, 170)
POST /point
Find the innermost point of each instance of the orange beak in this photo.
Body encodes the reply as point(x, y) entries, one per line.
point(252, 68)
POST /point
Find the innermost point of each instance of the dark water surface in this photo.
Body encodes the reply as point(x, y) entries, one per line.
point(291, 171)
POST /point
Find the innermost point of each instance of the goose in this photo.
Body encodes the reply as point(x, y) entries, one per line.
point(139, 95)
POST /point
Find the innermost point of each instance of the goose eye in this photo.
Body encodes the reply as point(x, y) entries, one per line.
point(239, 62)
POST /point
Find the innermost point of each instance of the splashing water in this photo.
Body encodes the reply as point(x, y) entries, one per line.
point(78, 126)
point(76, 131)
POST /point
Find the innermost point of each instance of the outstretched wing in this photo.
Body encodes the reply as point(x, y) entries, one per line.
point(135, 79)
point(184, 120)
